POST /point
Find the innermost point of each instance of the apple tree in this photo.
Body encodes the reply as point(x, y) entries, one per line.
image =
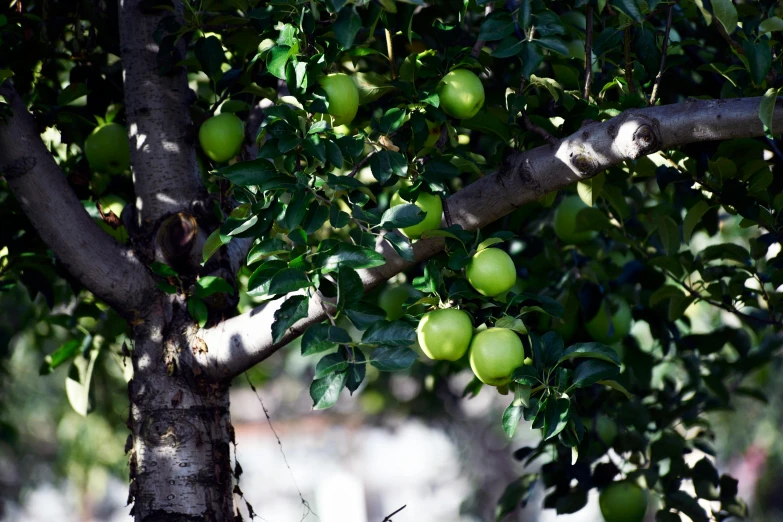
point(566, 184)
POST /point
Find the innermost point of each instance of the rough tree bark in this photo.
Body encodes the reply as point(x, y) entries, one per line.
point(180, 426)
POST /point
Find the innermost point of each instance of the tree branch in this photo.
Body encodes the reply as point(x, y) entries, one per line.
point(101, 264)
point(163, 157)
point(239, 343)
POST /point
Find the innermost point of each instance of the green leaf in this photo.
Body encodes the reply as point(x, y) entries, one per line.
point(402, 216)
point(767, 109)
point(670, 235)
point(508, 47)
point(488, 243)
point(331, 363)
point(276, 60)
point(392, 358)
point(356, 370)
point(162, 269)
point(591, 371)
point(726, 14)
point(209, 285)
point(349, 288)
point(591, 350)
point(517, 493)
point(392, 120)
point(617, 386)
point(64, 353)
point(526, 375)
point(401, 245)
point(759, 57)
point(198, 311)
point(347, 25)
point(496, 27)
point(292, 310)
point(511, 417)
point(333, 154)
point(70, 93)
point(260, 173)
point(512, 323)
point(77, 384)
point(589, 191)
point(555, 416)
point(386, 163)
point(365, 317)
point(268, 247)
point(630, 8)
point(394, 333)
point(258, 284)
point(372, 86)
point(773, 23)
point(326, 391)
point(663, 293)
point(693, 218)
point(209, 53)
point(351, 256)
point(288, 280)
point(323, 337)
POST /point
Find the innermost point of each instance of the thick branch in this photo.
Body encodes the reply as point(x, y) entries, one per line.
point(241, 342)
point(101, 264)
point(163, 157)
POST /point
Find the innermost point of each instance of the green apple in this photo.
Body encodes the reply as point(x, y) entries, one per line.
point(221, 136)
point(606, 429)
point(565, 221)
point(393, 297)
point(431, 205)
point(623, 502)
point(343, 97)
point(113, 204)
point(461, 94)
point(612, 324)
point(491, 272)
point(107, 149)
point(494, 355)
point(444, 335)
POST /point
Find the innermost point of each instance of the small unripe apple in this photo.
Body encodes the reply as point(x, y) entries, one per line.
point(221, 136)
point(107, 149)
point(393, 297)
point(566, 219)
point(461, 94)
point(343, 97)
point(623, 502)
point(431, 205)
point(610, 325)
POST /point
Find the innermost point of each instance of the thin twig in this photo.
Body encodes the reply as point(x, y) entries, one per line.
point(664, 50)
point(479, 45)
point(305, 504)
point(388, 517)
point(628, 61)
point(588, 51)
point(734, 45)
point(390, 51)
point(361, 164)
point(532, 127)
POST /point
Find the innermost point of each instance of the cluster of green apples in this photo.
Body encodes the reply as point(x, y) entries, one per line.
point(447, 333)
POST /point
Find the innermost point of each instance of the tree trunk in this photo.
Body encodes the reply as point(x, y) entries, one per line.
point(180, 461)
